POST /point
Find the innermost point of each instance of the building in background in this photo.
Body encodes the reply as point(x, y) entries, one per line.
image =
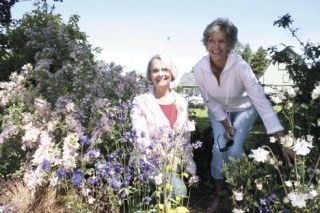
point(190, 88)
point(276, 76)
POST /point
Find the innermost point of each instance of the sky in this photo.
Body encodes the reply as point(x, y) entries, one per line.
point(130, 32)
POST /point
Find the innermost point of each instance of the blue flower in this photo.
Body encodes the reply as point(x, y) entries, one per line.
point(112, 157)
point(122, 195)
point(116, 183)
point(143, 135)
point(92, 181)
point(45, 165)
point(121, 118)
point(263, 202)
point(197, 144)
point(101, 124)
point(286, 210)
point(272, 197)
point(84, 140)
point(118, 168)
point(77, 177)
point(62, 173)
point(94, 153)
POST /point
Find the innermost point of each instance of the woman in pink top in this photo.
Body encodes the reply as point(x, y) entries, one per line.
point(158, 114)
point(233, 96)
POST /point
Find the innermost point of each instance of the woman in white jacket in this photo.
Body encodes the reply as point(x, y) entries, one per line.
point(161, 116)
point(233, 96)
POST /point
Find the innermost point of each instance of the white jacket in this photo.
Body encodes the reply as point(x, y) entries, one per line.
point(147, 117)
point(239, 89)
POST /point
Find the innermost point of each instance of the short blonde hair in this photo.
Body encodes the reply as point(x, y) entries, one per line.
point(221, 25)
point(167, 61)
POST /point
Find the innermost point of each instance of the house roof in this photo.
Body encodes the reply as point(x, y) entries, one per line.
point(188, 80)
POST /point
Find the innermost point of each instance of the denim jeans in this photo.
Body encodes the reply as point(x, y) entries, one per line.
point(242, 122)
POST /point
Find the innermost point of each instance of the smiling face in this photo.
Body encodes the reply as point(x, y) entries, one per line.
point(218, 47)
point(160, 74)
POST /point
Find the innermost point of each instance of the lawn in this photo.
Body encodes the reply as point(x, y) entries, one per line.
point(200, 116)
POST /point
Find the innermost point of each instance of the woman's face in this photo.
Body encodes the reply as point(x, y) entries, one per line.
point(160, 74)
point(218, 47)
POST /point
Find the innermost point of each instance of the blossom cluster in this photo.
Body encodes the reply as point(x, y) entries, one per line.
point(298, 189)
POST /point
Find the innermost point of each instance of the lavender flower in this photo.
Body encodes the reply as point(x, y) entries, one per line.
point(84, 140)
point(62, 173)
point(116, 183)
point(121, 119)
point(45, 165)
point(122, 195)
point(118, 168)
point(92, 181)
point(112, 157)
point(197, 144)
point(272, 197)
point(94, 153)
point(77, 177)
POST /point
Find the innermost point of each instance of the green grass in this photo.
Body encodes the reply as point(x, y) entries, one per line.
point(200, 116)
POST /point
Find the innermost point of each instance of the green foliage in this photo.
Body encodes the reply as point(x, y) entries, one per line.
point(43, 28)
point(259, 61)
point(303, 70)
point(244, 51)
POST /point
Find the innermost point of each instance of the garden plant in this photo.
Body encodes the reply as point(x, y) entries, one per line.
point(66, 137)
point(263, 181)
point(66, 126)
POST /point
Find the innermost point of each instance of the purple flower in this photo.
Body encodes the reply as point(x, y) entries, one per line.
point(45, 165)
point(101, 124)
point(121, 119)
point(77, 177)
point(272, 197)
point(122, 195)
point(126, 181)
point(84, 140)
point(263, 202)
point(123, 105)
point(147, 200)
point(143, 135)
point(118, 168)
point(197, 144)
point(94, 153)
point(116, 183)
point(93, 181)
point(112, 157)
point(62, 173)
point(286, 210)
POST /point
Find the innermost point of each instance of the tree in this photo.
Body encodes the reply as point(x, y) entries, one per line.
point(259, 61)
point(6, 22)
point(36, 31)
point(244, 51)
point(305, 70)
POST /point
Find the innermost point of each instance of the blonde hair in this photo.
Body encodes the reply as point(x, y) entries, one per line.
point(167, 61)
point(221, 25)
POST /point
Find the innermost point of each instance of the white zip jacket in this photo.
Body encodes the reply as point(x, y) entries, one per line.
point(147, 116)
point(239, 89)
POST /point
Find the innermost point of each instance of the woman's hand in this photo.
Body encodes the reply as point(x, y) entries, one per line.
point(289, 155)
point(229, 133)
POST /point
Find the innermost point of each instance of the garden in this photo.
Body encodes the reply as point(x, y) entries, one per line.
point(66, 136)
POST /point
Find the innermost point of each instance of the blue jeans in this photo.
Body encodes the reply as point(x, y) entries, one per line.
point(242, 122)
